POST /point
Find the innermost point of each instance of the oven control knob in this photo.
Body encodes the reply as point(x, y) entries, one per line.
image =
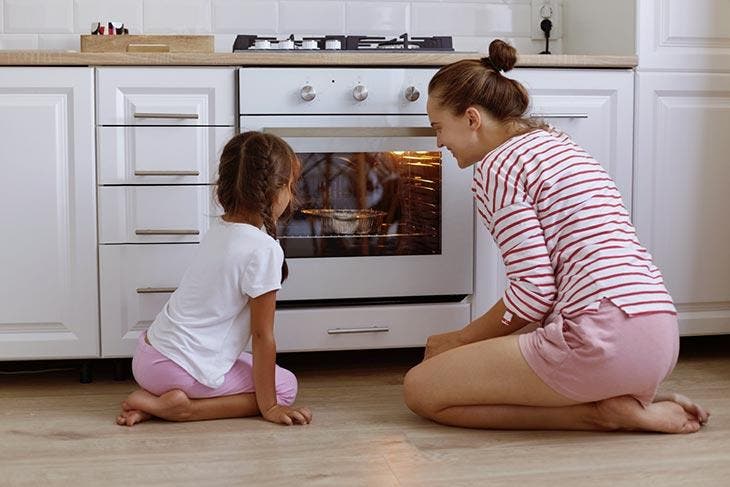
point(412, 93)
point(360, 93)
point(307, 93)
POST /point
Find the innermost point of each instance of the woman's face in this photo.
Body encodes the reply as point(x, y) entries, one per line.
point(458, 133)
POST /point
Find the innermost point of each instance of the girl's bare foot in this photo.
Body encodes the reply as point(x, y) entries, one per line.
point(130, 417)
point(141, 405)
point(663, 416)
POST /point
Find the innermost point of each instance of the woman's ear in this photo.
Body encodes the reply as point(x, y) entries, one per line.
point(473, 117)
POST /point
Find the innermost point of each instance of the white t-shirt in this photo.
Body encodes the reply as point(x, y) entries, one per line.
point(206, 324)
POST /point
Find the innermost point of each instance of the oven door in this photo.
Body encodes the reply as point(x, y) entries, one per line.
point(381, 211)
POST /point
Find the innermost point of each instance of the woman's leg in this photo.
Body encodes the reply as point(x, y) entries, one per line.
point(489, 384)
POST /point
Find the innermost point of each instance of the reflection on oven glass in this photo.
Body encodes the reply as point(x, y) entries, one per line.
point(366, 204)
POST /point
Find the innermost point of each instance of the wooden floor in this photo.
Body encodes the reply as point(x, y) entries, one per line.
point(56, 431)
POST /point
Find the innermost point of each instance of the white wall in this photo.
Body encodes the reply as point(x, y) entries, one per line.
point(599, 27)
point(56, 24)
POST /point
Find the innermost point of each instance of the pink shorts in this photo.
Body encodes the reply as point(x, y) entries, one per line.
point(158, 374)
point(604, 354)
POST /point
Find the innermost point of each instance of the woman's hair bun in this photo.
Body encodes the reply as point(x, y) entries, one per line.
point(502, 56)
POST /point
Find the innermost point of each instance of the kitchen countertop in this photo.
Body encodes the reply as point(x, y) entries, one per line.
point(72, 58)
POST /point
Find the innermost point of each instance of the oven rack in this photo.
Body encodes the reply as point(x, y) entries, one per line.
point(385, 235)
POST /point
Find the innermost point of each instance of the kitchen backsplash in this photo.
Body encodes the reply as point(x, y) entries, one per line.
point(56, 24)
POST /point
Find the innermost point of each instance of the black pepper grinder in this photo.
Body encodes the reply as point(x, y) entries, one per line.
point(546, 25)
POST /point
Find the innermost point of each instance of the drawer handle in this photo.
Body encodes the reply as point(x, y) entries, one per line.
point(345, 331)
point(160, 231)
point(558, 115)
point(155, 290)
point(167, 173)
point(177, 116)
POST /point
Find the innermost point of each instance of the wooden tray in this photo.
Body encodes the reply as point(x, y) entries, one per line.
point(147, 43)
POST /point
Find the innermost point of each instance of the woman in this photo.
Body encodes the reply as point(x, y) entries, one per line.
point(608, 332)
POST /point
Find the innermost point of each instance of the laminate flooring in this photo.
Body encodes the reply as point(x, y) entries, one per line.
point(56, 431)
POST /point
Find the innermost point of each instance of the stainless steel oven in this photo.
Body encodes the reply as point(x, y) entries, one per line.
point(383, 213)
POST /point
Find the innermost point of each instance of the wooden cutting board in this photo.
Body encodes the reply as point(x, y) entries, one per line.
point(147, 43)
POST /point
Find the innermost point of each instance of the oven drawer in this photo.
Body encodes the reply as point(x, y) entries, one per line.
point(135, 282)
point(364, 327)
point(166, 96)
point(160, 155)
point(154, 214)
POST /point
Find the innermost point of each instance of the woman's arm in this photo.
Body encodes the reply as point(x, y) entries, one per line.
point(264, 364)
point(492, 324)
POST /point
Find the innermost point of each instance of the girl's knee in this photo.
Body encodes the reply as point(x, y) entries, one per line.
point(286, 387)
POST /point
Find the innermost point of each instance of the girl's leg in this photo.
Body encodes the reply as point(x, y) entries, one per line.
point(194, 401)
point(489, 384)
point(175, 405)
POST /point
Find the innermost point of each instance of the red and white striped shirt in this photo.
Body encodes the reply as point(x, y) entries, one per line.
point(563, 231)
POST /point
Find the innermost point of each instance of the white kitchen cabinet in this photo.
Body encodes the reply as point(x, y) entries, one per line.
point(682, 175)
point(594, 107)
point(48, 262)
point(683, 35)
point(155, 214)
point(160, 132)
point(203, 96)
point(160, 155)
point(136, 281)
point(682, 192)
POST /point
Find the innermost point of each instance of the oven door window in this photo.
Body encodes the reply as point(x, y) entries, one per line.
point(360, 203)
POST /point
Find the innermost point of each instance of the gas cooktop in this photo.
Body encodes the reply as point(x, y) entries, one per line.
point(403, 42)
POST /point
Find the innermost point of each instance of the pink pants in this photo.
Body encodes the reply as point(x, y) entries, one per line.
point(604, 354)
point(158, 374)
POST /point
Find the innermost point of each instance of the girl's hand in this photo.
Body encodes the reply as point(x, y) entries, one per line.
point(437, 344)
point(287, 415)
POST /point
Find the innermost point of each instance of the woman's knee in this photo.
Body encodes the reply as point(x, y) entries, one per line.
point(286, 386)
point(415, 392)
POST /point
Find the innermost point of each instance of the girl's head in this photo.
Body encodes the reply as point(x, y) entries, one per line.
point(471, 99)
point(256, 175)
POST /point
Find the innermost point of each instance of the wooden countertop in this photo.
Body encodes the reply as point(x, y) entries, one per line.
point(72, 58)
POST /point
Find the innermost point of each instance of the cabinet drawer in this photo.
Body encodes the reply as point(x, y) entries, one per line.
point(366, 327)
point(160, 155)
point(135, 283)
point(166, 96)
point(155, 214)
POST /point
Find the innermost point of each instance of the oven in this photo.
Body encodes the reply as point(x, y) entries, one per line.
point(379, 245)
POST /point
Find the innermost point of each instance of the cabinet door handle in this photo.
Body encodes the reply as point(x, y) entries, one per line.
point(155, 290)
point(558, 115)
point(162, 231)
point(177, 116)
point(345, 331)
point(167, 173)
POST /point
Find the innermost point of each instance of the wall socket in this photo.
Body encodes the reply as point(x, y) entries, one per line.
point(539, 9)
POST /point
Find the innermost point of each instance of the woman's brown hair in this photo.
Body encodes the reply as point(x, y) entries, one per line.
point(471, 82)
point(254, 167)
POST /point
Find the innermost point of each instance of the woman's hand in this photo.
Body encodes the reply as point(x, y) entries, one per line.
point(437, 344)
point(288, 415)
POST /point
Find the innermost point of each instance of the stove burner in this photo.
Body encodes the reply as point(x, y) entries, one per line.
point(246, 42)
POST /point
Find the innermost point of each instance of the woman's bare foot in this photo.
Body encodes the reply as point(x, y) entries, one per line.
point(663, 416)
point(141, 405)
point(688, 404)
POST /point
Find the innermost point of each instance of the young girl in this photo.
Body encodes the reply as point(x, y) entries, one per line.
point(608, 334)
point(190, 364)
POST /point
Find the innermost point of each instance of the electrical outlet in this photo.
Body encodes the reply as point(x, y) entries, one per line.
point(542, 8)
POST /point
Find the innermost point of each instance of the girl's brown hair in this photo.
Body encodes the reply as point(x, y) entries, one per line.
point(254, 167)
point(471, 82)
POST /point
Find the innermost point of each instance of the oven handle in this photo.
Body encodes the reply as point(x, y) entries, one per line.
point(351, 131)
point(344, 331)
point(558, 115)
